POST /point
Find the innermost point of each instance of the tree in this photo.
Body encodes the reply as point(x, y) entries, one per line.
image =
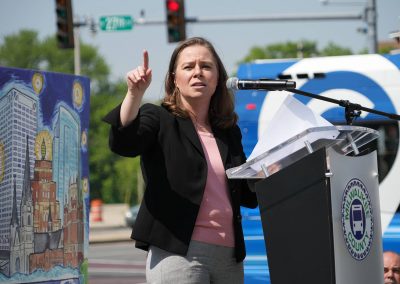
point(256, 52)
point(112, 178)
point(21, 50)
point(25, 50)
point(290, 49)
point(333, 49)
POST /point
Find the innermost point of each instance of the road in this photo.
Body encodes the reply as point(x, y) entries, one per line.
point(117, 263)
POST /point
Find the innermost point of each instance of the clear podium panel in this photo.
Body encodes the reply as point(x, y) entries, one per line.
point(343, 139)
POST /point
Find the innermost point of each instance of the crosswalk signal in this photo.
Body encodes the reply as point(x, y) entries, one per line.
point(176, 25)
point(65, 25)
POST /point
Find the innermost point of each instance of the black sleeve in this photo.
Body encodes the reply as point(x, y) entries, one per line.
point(137, 137)
point(248, 198)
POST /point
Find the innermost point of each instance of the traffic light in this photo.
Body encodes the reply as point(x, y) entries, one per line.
point(176, 25)
point(65, 25)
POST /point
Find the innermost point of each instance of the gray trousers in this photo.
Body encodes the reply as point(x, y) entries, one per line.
point(204, 263)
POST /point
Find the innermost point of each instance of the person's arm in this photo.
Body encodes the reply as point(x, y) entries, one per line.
point(134, 127)
point(138, 80)
point(248, 197)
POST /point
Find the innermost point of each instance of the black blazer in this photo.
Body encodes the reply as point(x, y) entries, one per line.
point(175, 170)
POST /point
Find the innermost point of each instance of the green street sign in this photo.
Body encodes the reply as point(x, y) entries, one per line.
point(116, 23)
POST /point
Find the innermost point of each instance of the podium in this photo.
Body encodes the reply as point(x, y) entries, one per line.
point(319, 206)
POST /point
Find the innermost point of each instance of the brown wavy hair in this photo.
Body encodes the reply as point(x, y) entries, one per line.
point(221, 110)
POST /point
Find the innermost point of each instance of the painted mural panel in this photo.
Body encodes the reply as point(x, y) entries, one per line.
point(44, 187)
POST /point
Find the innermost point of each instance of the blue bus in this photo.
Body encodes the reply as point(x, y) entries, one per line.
point(370, 80)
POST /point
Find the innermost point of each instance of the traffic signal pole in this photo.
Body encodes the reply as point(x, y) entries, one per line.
point(176, 22)
point(277, 17)
point(265, 18)
point(368, 15)
point(77, 52)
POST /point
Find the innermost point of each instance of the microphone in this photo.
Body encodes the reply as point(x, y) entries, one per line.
point(234, 84)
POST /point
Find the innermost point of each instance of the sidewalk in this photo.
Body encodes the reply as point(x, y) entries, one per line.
point(112, 228)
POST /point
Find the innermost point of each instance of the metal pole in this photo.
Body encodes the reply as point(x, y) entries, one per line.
point(371, 23)
point(260, 18)
point(278, 17)
point(77, 52)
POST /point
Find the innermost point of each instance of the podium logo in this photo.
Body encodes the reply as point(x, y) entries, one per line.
point(357, 219)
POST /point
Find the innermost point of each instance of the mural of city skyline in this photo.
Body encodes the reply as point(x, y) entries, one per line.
point(44, 194)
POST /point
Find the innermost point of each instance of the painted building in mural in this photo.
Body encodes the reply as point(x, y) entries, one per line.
point(43, 178)
point(66, 150)
point(18, 121)
point(22, 234)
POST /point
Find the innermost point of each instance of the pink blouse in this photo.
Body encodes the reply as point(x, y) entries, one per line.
point(214, 222)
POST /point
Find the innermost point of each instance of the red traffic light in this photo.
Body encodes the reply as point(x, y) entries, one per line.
point(175, 20)
point(173, 6)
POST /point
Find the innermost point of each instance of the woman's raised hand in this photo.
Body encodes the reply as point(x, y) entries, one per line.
point(139, 79)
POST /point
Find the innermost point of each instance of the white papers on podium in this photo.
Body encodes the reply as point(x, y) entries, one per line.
point(292, 118)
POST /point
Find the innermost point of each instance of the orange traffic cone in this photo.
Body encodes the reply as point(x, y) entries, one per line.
point(96, 208)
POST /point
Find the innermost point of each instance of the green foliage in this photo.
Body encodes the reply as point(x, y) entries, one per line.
point(25, 50)
point(290, 49)
point(382, 49)
point(333, 49)
point(84, 269)
point(363, 51)
point(21, 50)
point(55, 59)
point(385, 49)
point(112, 178)
point(256, 52)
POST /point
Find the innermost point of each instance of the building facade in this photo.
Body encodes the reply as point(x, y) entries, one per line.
point(18, 122)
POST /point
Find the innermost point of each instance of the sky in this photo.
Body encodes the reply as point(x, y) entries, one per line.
point(122, 50)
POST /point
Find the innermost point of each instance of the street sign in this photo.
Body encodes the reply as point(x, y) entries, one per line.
point(116, 23)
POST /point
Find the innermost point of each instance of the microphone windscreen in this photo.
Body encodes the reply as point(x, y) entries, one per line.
point(232, 83)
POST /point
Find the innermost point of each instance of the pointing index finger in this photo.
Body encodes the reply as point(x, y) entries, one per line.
point(145, 60)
